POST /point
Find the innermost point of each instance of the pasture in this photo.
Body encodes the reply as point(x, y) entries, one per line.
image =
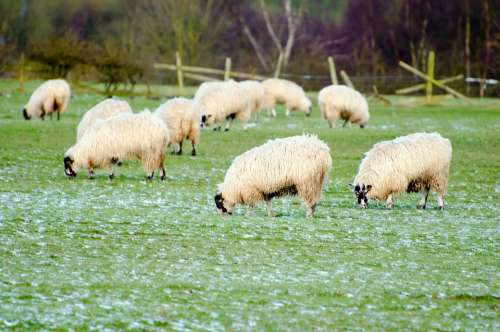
point(132, 254)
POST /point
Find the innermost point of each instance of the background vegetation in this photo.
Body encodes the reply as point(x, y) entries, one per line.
point(118, 40)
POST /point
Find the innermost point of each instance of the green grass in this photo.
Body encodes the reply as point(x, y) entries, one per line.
point(131, 254)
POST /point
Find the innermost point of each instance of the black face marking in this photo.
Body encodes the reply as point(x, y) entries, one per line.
point(219, 202)
point(68, 170)
point(361, 193)
point(114, 160)
point(286, 191)
point(203, 119)
point(231, 116)
point(25, 114)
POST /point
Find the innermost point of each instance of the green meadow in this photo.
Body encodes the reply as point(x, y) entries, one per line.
point(132, 254)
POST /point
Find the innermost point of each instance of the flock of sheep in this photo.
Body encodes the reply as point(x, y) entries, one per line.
point(299, 165)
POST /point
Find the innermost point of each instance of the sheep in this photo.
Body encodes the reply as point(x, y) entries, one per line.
point(104, 110)
point(295, 165)
point(255, 91)
point(340, 101)
point(141, 135)
point(286, 92)
point(415, 163)
point(52, 96)
point(222, 101)
point(183, 122)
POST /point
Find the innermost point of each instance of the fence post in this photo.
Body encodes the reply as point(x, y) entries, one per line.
point(333, 73)
point(21, 73)
point(178, 66)
point(430, 74)
point(278, 66)
point(227, 71)
point(346, 79)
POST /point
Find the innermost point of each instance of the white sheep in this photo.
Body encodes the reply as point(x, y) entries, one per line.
point(415, 163)
point(255, 91)
point(51, 96)
point(141, 135)
point(223, 101)
point(183, 122)
point(104, 110)
point(285, 92)
point(295, 165)
point(340, 101)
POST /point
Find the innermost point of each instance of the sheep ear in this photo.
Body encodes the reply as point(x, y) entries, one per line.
point(209, 116)
point(368, 187)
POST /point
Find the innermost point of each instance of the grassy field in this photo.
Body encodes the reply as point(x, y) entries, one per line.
point(130, 254)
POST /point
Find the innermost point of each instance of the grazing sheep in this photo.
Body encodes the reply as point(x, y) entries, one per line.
point(183, 121)
point(285, 92)
point(104, 110)
point(415, 163)
point(255, 91)
point(295, 165)
point(52, 96)
point(223, 101)
point(340, 101)
point(142, 135)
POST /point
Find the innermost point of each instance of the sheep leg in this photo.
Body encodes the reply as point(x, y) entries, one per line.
point(229, 122)
point(162, 173)
point(389, 202)
point(50, 116)
point(344, 124)
point(269, 208)
point(273, 112)
point(91, 174)
point(150, 176)
point(423, 200)
point(310, 211)
point(249, 210)
point(58, 115)
point(193, 151)
point(287, 112)
point(440, 201)
point(111, 175)
point(179, 152)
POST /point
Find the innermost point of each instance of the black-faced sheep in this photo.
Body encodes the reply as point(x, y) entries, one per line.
point(415, 163)
point(183, 122)
point(286, 92)
point(340, 101)
point(51, 96)
point(295, 165)
point(141, 135)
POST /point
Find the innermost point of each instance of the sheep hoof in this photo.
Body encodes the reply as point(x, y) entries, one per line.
point(441, 208)
point(227, 129)
point(179, 152)
point(421, 207)
point(111, 176)
point(389, 206)
point(193, 153)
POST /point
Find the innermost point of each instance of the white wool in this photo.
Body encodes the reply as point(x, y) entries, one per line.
point(300, 162)
point(218, 101)
point(182, 119)
point(141, 135)
point(285, 92)
point(256, 93)
point(340, 101)
point(51, 96)
point(412, 162)
point(104, 110)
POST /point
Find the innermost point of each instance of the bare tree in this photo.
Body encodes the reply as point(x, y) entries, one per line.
point(293, 19)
